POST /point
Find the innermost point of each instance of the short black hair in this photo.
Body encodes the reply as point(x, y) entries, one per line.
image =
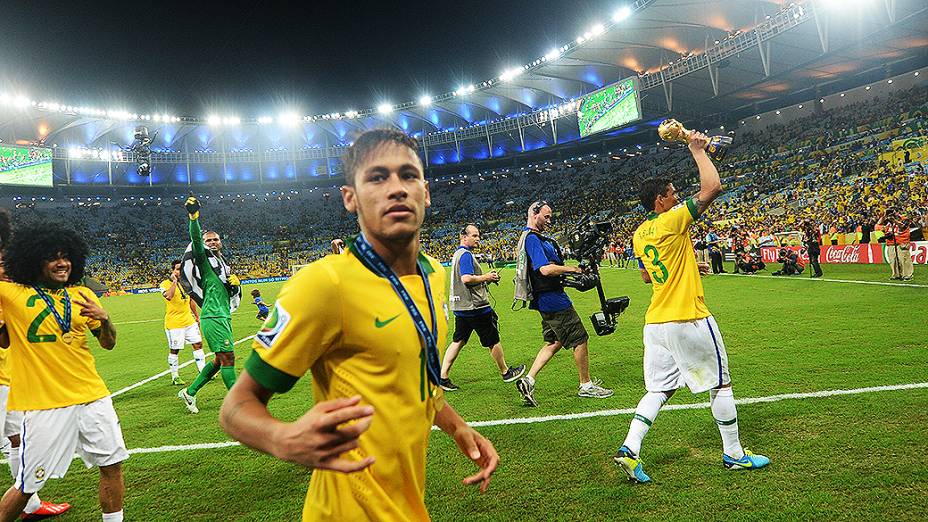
point(6, 227)
point(175, 263)
point(650, 189)
point(369, 141)
point(34, 245)
point(255, 292)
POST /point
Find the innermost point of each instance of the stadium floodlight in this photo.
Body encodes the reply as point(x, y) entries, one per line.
point(21, 102)
point(598, 29)
point(351, 114)
point(231, 120)
point(288, 119)
point(580, 40)
point(214, 120)
point(553, 54)
point(425, 100)
point(75, 153)
point(509, 74)
point(385, 108)
point(264, 120)
point(622, 14)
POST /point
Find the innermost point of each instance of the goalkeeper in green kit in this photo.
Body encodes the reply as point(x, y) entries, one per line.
point(211, 284)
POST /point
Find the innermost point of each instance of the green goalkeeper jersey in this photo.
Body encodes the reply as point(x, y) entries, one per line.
point(215, 295)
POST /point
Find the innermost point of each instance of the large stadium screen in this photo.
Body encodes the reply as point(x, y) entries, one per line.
point(610, 107)
point(25, 166)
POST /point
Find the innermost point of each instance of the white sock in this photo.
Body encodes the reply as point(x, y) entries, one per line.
point(14, 461)
point(33, 504)
point(645, 413)
point(530, 379)
point(172, 364)
point(200, 358)
point(726, 416)
point(113, 517)
point(586, 384)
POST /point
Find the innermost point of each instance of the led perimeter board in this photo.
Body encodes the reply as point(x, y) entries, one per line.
point(610, 107)
point(25, 166)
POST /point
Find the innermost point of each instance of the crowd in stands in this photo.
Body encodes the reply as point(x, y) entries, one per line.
point(823, 170)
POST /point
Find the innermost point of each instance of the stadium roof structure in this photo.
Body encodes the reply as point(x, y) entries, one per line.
point(707, 61)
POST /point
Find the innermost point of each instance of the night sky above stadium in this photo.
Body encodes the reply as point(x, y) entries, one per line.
point(248, 59)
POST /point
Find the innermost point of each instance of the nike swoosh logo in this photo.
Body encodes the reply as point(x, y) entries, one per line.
point(380, 324)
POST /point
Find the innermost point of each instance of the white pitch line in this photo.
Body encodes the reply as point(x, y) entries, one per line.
point(158, 320)
point(166, 372)
point(601, 413)
point(806, 278)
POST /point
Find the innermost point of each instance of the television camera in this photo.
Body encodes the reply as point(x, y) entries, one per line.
point(587, 241)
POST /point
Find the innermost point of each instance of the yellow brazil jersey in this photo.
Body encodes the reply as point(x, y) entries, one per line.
point(4, 360)
point(348, 327)
point(45, 371)
point(177, 312)
point(664, 246)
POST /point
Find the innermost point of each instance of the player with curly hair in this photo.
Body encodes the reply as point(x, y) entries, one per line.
point(65, 404)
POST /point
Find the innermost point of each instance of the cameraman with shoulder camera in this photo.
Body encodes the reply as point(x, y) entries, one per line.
point(538, 280)
point(682, 342)
point(470, 304)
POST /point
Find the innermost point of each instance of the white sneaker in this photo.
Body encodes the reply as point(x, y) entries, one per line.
point(189, 400)
point(595, 390)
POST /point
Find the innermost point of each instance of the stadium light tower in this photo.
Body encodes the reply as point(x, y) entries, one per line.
point(385, 108)
point(425, 100)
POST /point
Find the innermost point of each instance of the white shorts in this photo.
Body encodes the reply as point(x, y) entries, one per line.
point(51, 437)
point(689, 353)
point(177, 337)
point(9, 420)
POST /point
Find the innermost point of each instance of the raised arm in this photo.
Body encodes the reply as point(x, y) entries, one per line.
point(710, 186)
point(196, 235)
point(171, 290)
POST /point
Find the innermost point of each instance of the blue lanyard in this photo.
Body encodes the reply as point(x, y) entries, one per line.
point(429, 337)
point(63, 322)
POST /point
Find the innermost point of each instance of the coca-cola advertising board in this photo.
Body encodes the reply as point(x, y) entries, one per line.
point(845, 254)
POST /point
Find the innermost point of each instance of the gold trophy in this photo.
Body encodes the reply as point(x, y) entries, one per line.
point(673, 131)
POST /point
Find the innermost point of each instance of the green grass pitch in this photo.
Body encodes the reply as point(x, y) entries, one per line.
point(33, 175)
point(850, 457)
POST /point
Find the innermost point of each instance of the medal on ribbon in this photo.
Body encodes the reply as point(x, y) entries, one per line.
point(64, 322)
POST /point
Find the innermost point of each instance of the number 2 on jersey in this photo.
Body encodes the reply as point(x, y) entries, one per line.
point(33, 334)
point(651, 251)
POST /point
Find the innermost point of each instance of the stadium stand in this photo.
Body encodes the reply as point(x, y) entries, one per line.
point(823, 168)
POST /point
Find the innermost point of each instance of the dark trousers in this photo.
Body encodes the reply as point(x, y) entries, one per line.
point(716, 259)
point(817, 268)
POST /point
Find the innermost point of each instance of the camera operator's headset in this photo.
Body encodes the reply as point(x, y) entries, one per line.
point(538, 205)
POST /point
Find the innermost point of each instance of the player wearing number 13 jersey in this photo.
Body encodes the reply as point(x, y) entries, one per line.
point(682, 342)
point(53, 378)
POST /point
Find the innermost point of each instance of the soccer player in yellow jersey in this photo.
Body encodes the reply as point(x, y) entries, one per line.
point(180, 323)
point(11, 421)
point(53, 379)
point(366, 325)
point(682, 342)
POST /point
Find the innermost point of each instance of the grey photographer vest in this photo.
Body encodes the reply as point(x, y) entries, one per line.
point(466, 297)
